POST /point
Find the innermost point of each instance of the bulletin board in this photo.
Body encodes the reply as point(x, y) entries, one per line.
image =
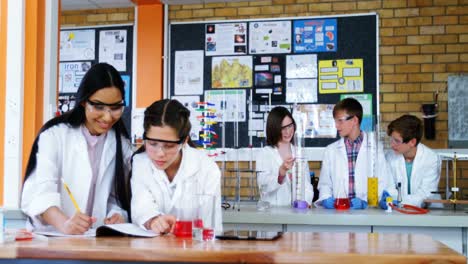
point(82, 47)
point(246, 67)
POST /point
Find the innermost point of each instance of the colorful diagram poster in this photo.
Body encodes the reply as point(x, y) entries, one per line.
point(70, 75)
point(113, 48)
point(319, 121)
point(269, 81)
point(318, 35)
point(270, 37)
point(231, 72)
point(341, 76)
point(226, 39)
point(367, 123)
point(188, 75)
point(230, 105)
point(77, 45)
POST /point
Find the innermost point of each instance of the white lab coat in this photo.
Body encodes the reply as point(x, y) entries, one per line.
point(425, 175)
point(154, 195)
point(63, 153)
point(268, 163)
point(334, 175)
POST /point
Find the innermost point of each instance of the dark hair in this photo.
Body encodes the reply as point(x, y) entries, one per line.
point(99, 76)
point(273, 126)
point(168, 112)
point(408, 126)
point(351, 106)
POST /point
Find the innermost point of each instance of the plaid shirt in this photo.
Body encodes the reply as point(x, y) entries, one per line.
point(352, 151)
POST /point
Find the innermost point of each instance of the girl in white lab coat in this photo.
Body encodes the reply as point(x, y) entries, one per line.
point(87, 148)
point(412, 164)
point(277, 159)
point(166, 169)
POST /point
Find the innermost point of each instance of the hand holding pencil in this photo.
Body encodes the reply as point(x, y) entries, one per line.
point(72, 198)
point(79, 223)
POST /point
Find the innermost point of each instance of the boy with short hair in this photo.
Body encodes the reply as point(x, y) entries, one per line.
point(412, 164)
point(345, 164)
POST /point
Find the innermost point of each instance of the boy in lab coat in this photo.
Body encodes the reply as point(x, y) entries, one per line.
point(345, 164)
point(413, 165)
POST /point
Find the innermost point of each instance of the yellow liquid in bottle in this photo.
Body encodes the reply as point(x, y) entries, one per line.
point(372, 191)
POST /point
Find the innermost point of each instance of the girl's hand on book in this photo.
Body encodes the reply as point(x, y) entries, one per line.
point(78, 224)
point(116, 218)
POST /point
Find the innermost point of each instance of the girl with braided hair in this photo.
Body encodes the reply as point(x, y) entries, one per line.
point(165, 165)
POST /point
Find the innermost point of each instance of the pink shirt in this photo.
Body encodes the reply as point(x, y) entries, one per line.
point(95, 147)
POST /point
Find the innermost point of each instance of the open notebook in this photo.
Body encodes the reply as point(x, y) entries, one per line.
point(126, 229)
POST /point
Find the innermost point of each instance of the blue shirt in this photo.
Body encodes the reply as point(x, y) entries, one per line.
point(409, 169)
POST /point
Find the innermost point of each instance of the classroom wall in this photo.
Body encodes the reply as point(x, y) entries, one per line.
point(422, 42)
point(97, 17)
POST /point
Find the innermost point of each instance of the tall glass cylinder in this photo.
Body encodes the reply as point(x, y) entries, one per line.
point(300, 168)
point(372, 143)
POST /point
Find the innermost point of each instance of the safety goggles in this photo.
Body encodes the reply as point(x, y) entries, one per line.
point(343, 119)
point(115, 110)
point(166, 146)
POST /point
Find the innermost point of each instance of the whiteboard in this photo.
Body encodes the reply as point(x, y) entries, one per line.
point(457, 109)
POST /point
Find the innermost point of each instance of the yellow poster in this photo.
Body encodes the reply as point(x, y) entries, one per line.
point(341, 76)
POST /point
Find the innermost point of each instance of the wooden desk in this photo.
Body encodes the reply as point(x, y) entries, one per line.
point(291, 248)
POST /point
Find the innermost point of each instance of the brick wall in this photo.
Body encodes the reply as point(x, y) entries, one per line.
point(97, 17)
point(422, 42)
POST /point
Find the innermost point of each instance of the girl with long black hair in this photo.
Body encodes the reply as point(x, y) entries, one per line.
point(88, 148)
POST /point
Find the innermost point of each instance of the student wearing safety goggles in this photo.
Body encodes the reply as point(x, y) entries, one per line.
point(345, 163)
point(167, 169)
point(415, 167)
point(88, 149)
point(276, 160)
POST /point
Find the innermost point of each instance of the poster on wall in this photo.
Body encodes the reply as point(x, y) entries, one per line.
point(269, 77)
point(231, 72)
point(317, 35)
point(138, 116)
point(226, 39)
point(270, 37)
point(341, 76)
point(301, 90)
point(77, 45)
point(191, 103)
point(188, 75)
point(65, 103)
point(319, 121)
point(70, 75)
point(301, 66)
point(113, 48)
point(367, 123)
point(230, 105)
point(126, 79)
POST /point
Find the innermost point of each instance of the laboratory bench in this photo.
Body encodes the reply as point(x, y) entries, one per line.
point(292, 247)
point(444, 225)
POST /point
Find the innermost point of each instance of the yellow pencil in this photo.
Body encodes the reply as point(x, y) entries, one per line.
point(71, 196)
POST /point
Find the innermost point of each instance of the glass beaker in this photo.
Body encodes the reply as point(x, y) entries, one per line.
point(263, 205)
point(185, 210)
point(342, 200)
point(204, 220)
